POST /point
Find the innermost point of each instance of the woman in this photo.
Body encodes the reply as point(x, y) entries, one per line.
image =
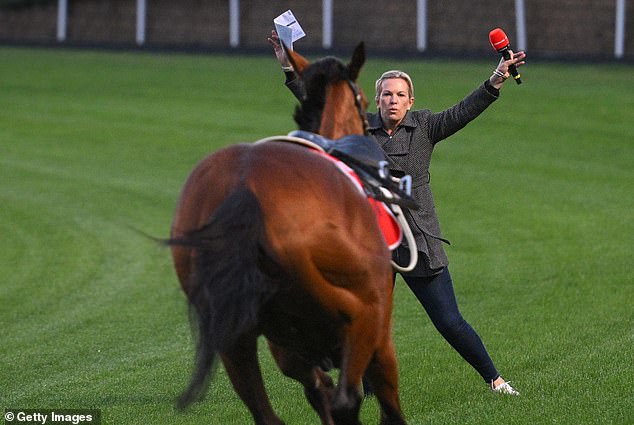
point(408, 137)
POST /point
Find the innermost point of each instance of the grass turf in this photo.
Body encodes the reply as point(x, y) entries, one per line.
point(536, 196)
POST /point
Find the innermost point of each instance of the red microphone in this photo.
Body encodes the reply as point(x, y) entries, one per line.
point(500, 43)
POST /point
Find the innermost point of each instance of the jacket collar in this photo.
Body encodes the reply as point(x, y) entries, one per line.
point(375, 122)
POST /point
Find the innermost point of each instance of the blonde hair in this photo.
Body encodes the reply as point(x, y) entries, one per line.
point(394, 74)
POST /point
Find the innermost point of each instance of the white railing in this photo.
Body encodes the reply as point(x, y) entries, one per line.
point(62, 17)
point(327, 24)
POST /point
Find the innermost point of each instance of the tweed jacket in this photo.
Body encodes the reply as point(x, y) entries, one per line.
point(410, 149)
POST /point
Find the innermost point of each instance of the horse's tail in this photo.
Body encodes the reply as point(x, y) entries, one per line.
point(228, 285)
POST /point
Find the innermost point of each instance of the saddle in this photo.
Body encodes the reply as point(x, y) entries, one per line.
point(369, 162)
point(370, 166)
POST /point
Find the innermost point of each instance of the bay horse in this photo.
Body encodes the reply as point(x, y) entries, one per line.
point(273, 239)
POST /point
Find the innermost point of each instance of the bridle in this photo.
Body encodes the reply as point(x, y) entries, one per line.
point(358, 100)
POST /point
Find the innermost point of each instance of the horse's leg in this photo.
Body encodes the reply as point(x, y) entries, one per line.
point(367, 347)
point(318, 386)
point(361, 316)
point(383, 375)
point(243, 368)
point(359, 336)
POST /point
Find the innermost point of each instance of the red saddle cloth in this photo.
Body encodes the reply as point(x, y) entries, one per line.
point(392, 232)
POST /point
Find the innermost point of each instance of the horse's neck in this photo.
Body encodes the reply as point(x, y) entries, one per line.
point(337, 122)
point(333, 131)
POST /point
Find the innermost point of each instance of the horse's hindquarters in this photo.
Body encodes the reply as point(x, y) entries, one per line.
point(208, 185)
point(283, 238)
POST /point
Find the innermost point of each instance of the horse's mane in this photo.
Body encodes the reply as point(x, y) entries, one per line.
point(316, 78)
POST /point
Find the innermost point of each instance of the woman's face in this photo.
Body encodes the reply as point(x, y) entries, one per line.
point(394, 101)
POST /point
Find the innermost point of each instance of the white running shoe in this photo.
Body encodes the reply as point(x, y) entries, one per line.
point(504, 388)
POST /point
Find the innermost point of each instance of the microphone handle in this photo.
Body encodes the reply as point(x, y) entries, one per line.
point(512, 69)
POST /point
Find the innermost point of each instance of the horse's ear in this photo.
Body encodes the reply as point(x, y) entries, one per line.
point(298, 61)
point(358, 58)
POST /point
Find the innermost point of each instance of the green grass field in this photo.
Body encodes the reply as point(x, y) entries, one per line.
point(536, 197)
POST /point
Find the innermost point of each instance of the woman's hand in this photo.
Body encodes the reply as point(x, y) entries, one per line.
point(501, 72)
point(280, 54)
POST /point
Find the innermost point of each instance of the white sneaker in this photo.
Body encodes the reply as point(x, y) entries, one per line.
point(504, 388)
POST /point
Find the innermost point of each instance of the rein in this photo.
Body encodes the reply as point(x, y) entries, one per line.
point(358, 102)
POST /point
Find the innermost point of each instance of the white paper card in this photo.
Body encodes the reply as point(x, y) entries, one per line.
point(288, 29)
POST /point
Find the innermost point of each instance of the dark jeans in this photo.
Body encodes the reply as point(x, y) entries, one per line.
point(436, 295)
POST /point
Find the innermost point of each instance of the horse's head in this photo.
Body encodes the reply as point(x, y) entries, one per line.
point(334, 105)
